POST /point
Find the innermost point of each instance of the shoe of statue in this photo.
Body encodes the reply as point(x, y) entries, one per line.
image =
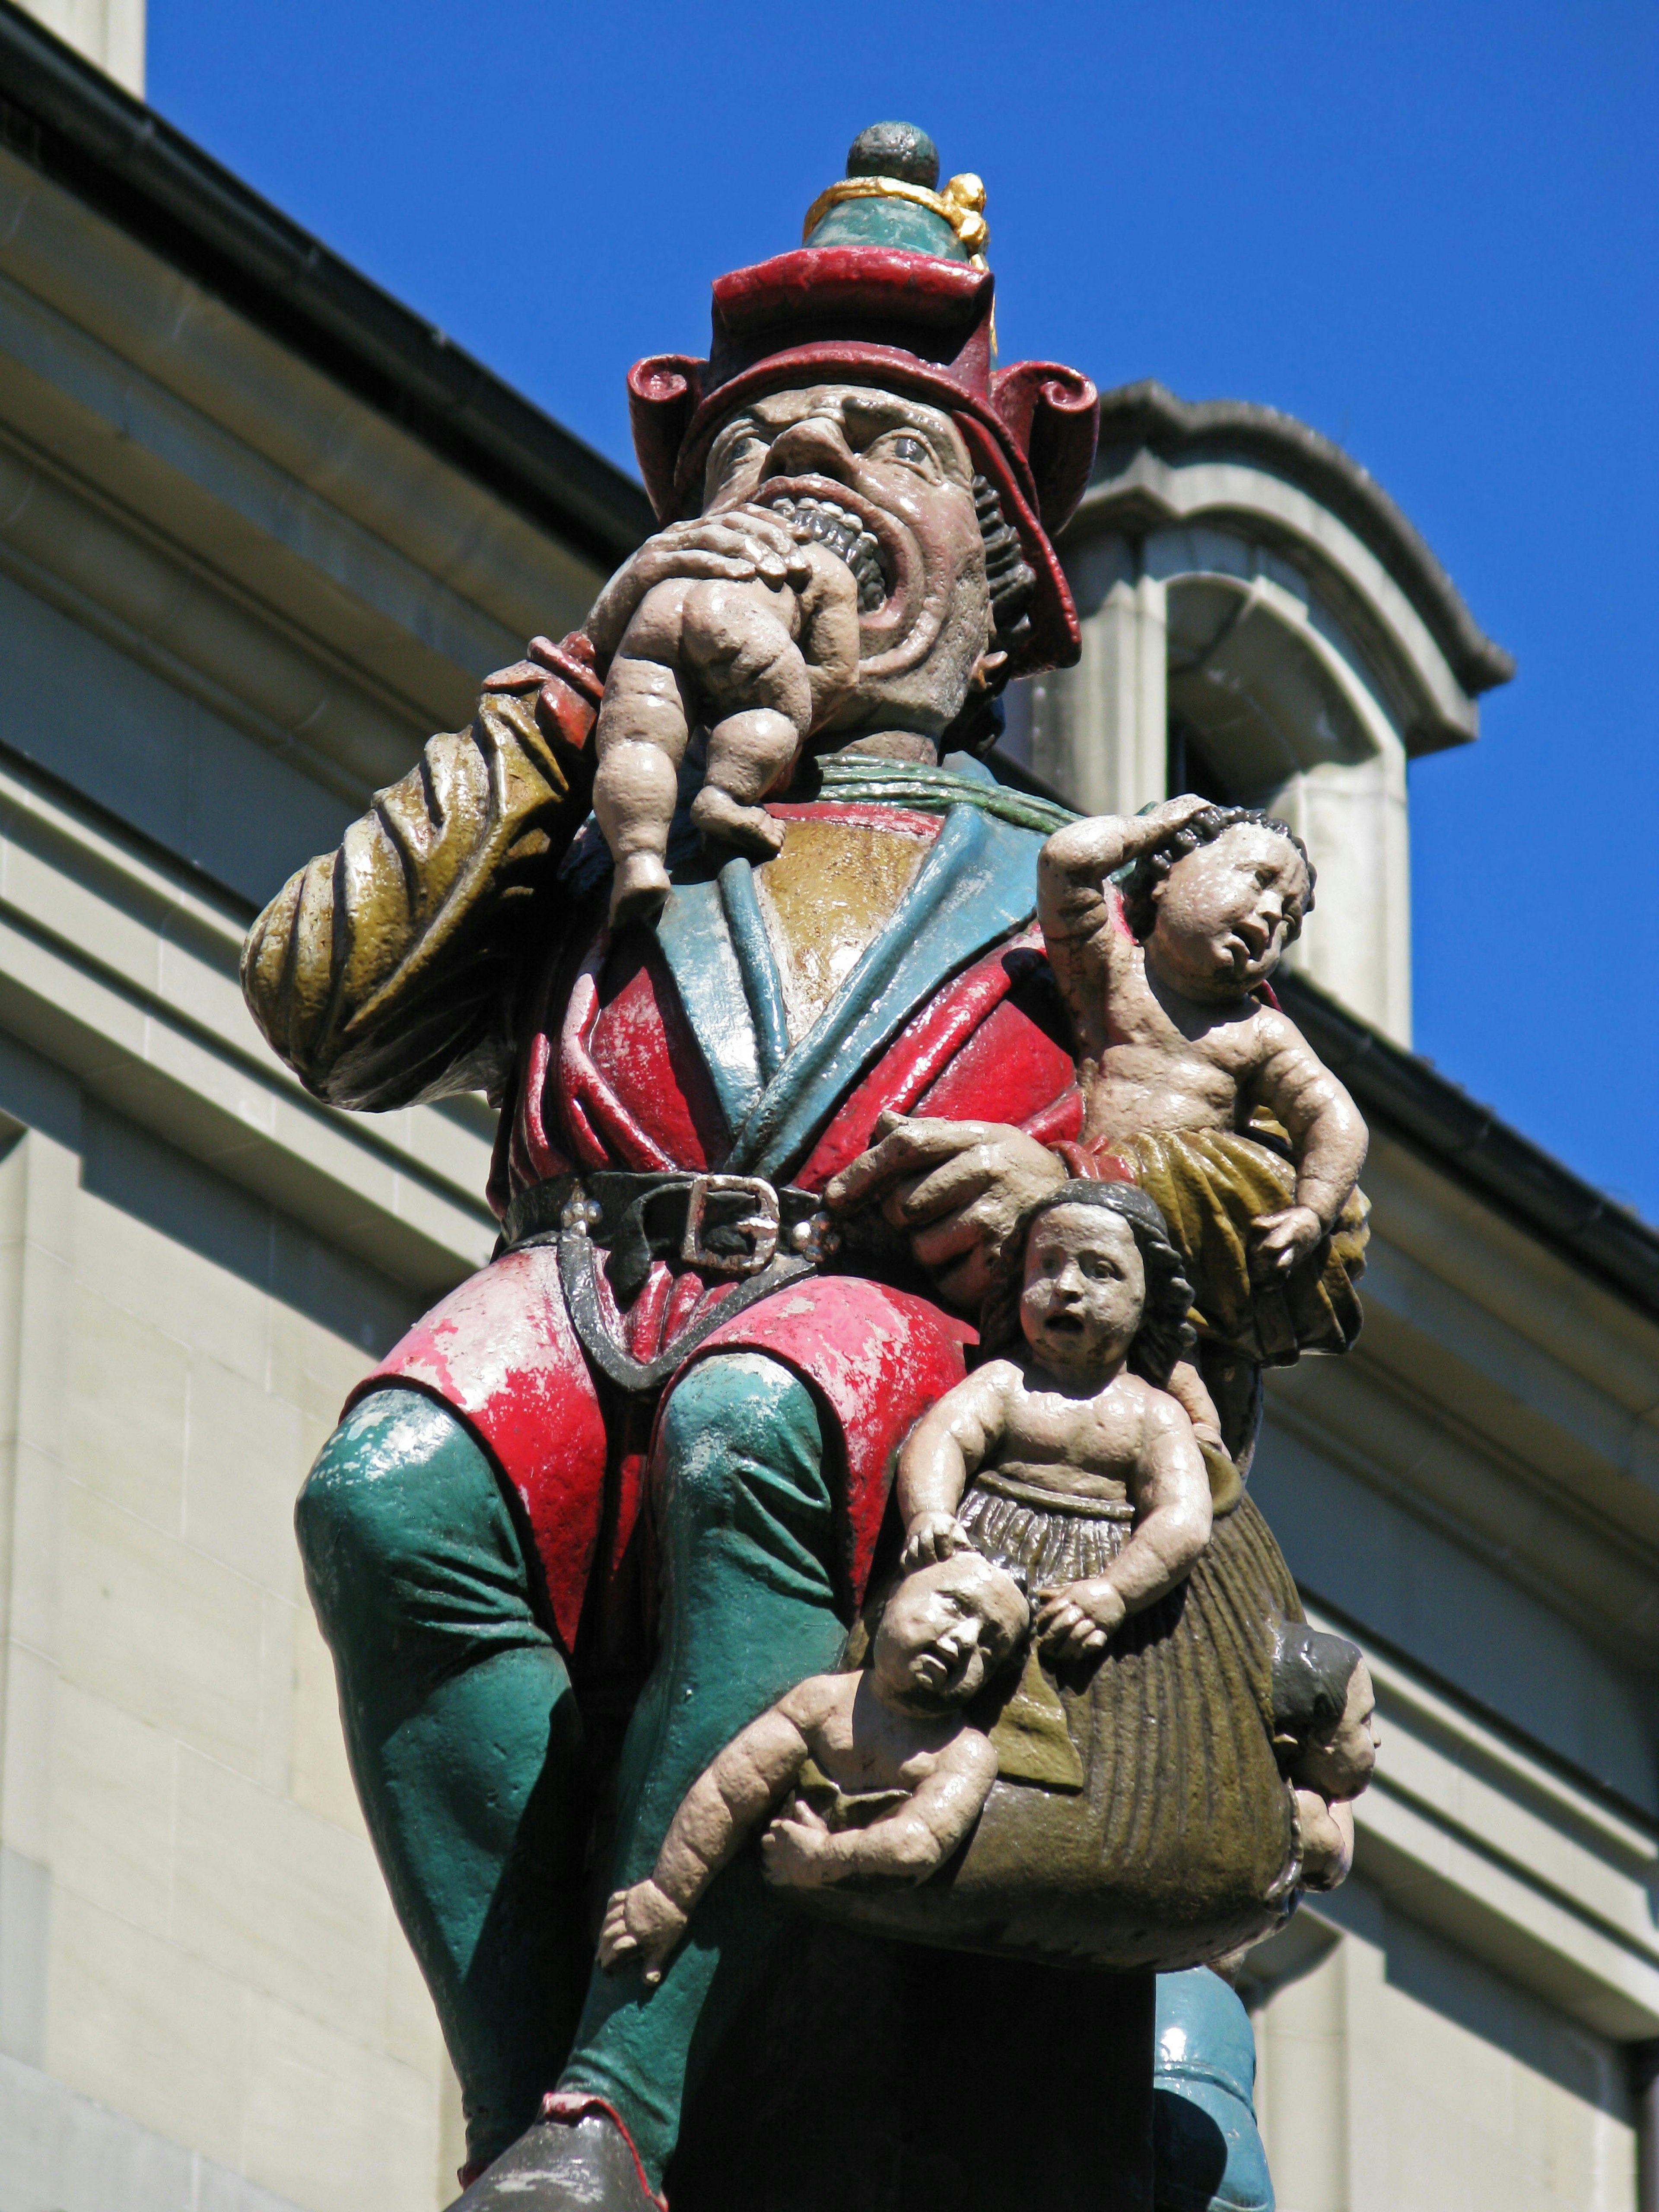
point(1207, 2152)
point(579, 2160)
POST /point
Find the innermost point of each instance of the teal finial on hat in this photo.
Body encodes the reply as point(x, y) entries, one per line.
point(888, 197)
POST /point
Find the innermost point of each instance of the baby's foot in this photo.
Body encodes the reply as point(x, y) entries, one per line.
point(640, 888)
point(723, 818)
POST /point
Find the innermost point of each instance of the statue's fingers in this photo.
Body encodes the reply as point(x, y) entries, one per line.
point(964, 1286)
point(764, 522)
point(958, 1182)
point(946, 1241)
point(907, 1147)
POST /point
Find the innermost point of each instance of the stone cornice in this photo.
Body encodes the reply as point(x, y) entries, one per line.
point(1436, 1119)
point(1146, 414)
point(74, 125)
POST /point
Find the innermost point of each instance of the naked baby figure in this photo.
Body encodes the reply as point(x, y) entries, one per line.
point(1199, 1088)
point(887, 1775)
point(1087, 1475)
point(761, 661)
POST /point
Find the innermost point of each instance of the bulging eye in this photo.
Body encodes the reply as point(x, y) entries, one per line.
point(912, 452)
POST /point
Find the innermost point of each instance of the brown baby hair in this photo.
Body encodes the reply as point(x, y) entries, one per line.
point(1139, 907)
point(1312, 1670)
point(1165, 1334)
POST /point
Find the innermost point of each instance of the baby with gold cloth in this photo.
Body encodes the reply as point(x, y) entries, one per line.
point(1163, 930)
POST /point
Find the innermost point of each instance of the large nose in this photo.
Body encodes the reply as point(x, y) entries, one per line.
point(815, 447)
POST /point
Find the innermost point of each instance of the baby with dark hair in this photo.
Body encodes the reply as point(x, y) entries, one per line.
point(1325, 1734)
point(1163, 930)
point(1087, 1477)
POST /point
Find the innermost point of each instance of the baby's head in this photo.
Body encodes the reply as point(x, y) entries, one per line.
point(1218, 901)
point(1324, 1711)
point(1098, 1279)
point(946, 1631)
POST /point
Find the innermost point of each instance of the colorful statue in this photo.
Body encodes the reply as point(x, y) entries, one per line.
point(1110, 1494)
point(781, 1068)
point(1198, 1087)
point(889, 1777)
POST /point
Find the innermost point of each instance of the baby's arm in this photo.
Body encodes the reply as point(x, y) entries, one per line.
point(1327, 1138)
point(801, 1852)
point(947, 1445)
point(715, 1815)
point(1078, 928)
point(1169, 1489)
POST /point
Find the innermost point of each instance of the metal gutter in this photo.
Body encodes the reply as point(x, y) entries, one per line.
point(1441, 1123)
point(71, 122)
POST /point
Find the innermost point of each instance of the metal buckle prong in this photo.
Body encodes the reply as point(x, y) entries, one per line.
point(761, 1224)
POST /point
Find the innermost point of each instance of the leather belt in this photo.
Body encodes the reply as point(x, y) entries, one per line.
point(739, 1225)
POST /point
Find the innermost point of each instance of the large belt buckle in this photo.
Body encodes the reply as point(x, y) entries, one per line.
point(759, 1224)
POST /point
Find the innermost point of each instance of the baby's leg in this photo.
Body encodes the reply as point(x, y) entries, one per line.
point(638, 741)
point(738, 642)
point(747, 755)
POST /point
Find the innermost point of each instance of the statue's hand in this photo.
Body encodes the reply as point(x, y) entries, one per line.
point(958, 1187)
point(738, 544)
point(930, 1537)
point(1077, 1619)
point(795, 1850)
point(1278, 1241)
point(643, 1922)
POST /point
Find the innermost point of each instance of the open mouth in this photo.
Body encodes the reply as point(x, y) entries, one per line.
point(845, 532)
point(1065, 1324)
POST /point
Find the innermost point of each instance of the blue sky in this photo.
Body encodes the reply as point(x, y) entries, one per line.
point(1428, 230)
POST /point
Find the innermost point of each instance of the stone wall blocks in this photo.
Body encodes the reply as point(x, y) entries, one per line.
point(240, 1475)
point(170, 1635)
point(280, 1900)
point(333, 2125)
point(143, 2025)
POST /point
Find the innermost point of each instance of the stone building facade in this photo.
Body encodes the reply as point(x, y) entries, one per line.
point(260, 532)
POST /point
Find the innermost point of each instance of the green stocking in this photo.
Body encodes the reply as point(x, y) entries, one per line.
point(744, 1527)
point(464, 1740)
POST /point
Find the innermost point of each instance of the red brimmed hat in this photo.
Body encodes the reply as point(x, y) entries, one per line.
point(849, 308)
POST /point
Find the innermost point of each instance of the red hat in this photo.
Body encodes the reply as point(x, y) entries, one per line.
point(908, 322)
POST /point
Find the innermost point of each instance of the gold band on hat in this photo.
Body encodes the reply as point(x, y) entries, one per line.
point(961, 204)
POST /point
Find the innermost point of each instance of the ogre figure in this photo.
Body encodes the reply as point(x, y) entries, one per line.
point(624, 1488)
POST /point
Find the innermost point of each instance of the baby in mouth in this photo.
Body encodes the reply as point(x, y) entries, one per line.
point(763, 664)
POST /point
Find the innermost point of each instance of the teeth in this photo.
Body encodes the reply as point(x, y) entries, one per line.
point(845, 535)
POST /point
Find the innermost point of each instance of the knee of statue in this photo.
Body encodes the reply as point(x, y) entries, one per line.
point(364, 1513)
point(740, 1421)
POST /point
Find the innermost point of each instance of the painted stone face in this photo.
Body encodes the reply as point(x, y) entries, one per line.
point(898, 472)
point(1342, 1768)
point(947, 1629)
point(1085, 1288)
point(1226, 911)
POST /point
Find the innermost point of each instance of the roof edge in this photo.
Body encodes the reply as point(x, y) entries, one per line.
point(1439, 1121)
point(71, 122)
point(1148, 413)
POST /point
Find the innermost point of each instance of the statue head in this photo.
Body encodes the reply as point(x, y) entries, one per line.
point(1324, 1711)
point(1092, 1281)
point(946, 1631)
point(1218, 902)
point(854, 383)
